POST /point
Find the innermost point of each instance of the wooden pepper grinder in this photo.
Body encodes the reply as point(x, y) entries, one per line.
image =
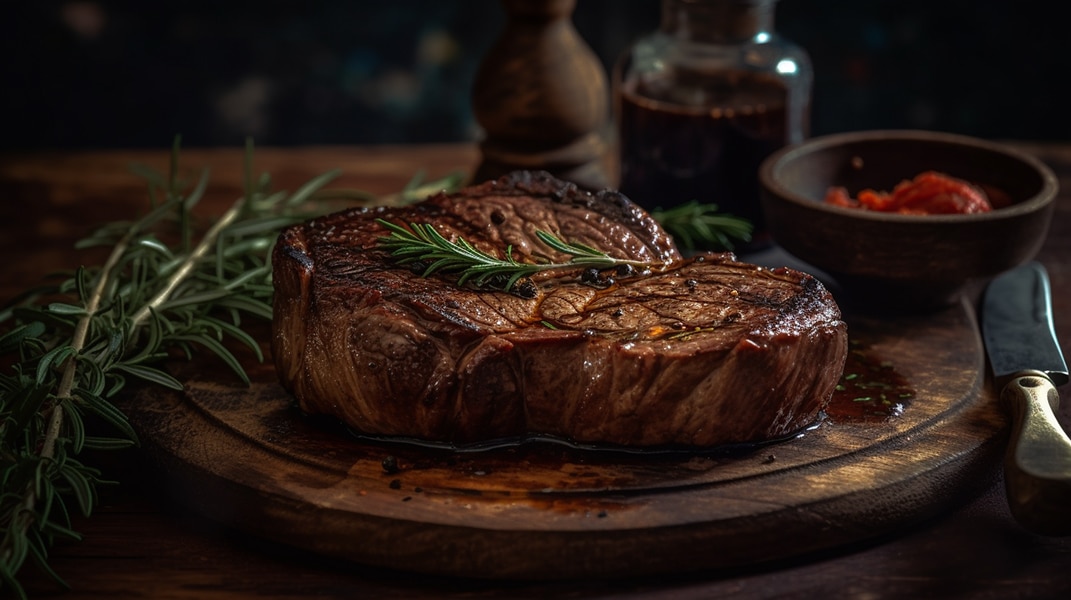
point(541, 97)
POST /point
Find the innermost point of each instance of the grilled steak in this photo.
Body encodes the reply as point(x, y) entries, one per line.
point(693, 352)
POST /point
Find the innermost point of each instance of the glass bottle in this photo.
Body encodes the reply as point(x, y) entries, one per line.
point(700, 103)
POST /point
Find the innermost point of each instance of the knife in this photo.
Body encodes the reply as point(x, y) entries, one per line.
point(1024, 354)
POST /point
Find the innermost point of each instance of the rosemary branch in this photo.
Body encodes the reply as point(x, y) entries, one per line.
point(63, 392)
point(71, 347)
point(422, 243)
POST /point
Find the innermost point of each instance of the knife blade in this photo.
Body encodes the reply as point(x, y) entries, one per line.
point(1027, 365)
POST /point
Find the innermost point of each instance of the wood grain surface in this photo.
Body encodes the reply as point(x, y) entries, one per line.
point(246, 457)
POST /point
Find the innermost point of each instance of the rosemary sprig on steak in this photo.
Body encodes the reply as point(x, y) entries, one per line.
point(696, 226)
point(422, 244)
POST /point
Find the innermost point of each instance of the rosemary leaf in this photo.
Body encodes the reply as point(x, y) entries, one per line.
point(104, 443)
point(107, 411)
point(150, 375)
point(80, 486)
point(219, 350)
point(60, 308)
point(53, 357)
point(247, 304)
point(12, 339)
point(76, 431)
point(237, 333)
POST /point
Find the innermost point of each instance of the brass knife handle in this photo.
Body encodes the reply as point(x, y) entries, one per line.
point(1037, 468)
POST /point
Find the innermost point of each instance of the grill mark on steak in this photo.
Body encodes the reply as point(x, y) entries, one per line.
point(694, 352)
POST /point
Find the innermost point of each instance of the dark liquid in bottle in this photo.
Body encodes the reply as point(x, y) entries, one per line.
point(702, 140)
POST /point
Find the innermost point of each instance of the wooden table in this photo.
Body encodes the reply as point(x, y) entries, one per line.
point(139, 544)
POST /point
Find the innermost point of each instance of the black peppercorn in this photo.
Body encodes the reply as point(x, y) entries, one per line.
point(525, 289)
point(390, 464)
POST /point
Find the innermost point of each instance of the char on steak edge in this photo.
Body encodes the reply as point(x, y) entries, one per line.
point(695, 352)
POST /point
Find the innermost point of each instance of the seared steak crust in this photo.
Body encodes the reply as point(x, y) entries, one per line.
point(692, 352)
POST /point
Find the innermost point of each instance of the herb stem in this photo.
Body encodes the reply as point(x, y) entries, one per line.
point(66, 385)
point(78, 339)
point(188, 264)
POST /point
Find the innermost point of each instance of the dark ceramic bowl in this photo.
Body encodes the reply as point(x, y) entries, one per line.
point(904, 262)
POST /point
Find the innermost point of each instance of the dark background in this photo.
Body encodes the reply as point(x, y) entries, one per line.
point(108, 73)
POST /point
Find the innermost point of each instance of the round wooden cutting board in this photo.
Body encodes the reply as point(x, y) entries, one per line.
point(246, 457)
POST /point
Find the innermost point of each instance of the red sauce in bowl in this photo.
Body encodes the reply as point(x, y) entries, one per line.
point(929, 193)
